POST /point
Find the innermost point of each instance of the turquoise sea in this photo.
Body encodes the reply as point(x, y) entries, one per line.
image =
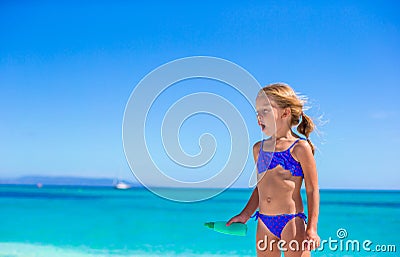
point(87, 221)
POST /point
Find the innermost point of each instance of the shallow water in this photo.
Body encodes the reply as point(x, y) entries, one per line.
point(87, 221)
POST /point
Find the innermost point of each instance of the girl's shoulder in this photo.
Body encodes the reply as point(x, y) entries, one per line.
point(301, 148)
point(267, 145)
point(256, 146)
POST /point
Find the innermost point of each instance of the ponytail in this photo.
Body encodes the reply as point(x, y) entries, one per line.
point(305, 127)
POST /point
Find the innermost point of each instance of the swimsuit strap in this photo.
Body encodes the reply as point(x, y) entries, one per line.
point(290, 147)
point(255, 216)
point(261, 147)
point(301, 215)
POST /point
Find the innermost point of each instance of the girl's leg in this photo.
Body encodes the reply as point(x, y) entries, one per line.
point(266, 242)
point(294, 235)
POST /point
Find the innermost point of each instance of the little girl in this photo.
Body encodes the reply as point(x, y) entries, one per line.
point(283, 161)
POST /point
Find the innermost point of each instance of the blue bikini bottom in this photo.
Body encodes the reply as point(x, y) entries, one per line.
point(277, 223)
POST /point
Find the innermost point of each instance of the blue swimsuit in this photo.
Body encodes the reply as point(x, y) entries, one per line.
point(268, 161)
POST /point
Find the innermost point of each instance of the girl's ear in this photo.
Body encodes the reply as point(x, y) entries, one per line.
point(286, 112)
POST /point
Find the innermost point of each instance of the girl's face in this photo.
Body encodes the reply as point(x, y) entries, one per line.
point(267, 114)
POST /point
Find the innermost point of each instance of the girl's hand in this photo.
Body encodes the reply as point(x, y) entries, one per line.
point(313, 239)
point(242, 218)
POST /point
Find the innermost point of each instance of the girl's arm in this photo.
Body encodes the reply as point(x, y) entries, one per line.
point(248, 210)
point(307, 161)
point(251, 205)
point(253, 202)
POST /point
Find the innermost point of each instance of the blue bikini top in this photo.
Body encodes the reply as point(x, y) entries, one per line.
point(283, 158)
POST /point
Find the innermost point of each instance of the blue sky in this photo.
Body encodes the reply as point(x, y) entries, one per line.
point(67, 70)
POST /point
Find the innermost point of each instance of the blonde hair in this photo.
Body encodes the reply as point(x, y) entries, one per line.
point(285, 97)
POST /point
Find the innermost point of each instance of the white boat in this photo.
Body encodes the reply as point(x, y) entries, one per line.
point(122, 185)
point(119, 183)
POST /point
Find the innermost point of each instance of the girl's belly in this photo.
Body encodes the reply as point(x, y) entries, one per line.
point(279, 192)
